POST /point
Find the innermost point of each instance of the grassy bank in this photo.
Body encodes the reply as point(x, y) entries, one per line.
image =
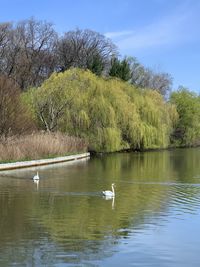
point(39, 145)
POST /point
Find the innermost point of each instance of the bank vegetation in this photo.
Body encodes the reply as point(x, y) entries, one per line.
point(73, 92)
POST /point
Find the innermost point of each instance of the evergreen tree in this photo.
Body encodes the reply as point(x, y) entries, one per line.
point(120, 69)
point(96, 65)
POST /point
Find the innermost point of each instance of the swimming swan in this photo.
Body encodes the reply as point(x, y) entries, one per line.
point(109, 193)
point(36, 177)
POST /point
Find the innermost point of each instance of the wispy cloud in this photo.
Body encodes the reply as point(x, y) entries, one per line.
point(170, 30)
point(118, 34)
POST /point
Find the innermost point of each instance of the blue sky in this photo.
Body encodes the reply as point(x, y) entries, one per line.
point(162, 34)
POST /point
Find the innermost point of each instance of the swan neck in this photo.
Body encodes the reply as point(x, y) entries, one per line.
point(113, 190)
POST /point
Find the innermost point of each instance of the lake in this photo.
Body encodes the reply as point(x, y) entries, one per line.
point(154, 219)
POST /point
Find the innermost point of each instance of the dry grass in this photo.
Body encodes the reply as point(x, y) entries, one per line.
point(39, 145)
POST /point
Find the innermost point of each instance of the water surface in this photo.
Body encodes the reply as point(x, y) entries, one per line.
point(154, 220)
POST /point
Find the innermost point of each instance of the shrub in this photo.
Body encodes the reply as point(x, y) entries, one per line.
point(14, 116)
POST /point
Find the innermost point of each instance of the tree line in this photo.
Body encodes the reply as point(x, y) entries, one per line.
point(47, 80)
point(31, 50)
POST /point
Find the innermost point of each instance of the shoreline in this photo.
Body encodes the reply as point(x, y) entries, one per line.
point(41, 162)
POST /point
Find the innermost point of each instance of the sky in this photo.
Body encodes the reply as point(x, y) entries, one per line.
point(163, 35)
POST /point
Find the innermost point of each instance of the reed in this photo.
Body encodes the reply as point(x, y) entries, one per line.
point(39, 145)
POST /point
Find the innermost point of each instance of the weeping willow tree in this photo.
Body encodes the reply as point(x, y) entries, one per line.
point(111, 114)
point(157, 120)
point(187, 130)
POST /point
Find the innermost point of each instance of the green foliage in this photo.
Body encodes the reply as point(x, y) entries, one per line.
point(187, 130)
point(95, 65)
point(110, 114)
point(120, 69)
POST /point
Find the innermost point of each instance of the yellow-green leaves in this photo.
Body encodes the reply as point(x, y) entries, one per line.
point(187, 130)
point(111, 114)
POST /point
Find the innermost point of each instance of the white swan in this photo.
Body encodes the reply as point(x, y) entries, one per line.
point(109, 193)
point(36, 177)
